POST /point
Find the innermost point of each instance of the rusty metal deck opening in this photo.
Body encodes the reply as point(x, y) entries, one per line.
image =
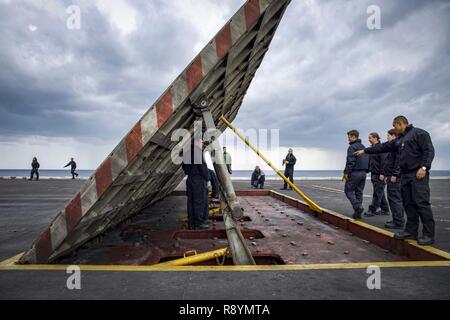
point(281, 231)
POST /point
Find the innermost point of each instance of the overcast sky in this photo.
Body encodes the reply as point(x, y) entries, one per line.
point(76, 93)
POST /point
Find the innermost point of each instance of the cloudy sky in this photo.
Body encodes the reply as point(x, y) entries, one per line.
point(76, 93)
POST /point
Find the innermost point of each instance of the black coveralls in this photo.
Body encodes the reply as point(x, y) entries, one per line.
point(258, 179)
point(356, 168)
point(34, 170)
point(376, 167)
point(289, 170)
point(394, 190)
point(415, 151)
point(73, 167)
point(197, 188)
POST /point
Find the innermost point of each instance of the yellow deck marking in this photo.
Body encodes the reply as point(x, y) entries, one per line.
point(332, 266)
point(11, 261)
point(333, 190)
point(430, 249)
point(373, 228)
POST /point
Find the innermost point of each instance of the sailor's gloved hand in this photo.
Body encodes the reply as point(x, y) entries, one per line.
point(345, 177)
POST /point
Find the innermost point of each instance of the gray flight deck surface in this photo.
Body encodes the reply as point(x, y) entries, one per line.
point(26, 208)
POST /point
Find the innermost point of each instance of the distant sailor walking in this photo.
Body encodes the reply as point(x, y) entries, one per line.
point(194, 166)
point(34, 169)
point(73, 167)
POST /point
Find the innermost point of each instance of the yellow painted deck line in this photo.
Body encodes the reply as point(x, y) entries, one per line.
point(289, 197)
point(334, 266)
point(11, 261)
point(373, 228)
point(430, 249)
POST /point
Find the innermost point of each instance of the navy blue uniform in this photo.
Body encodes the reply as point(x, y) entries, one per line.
point(415, 150)
point(394, 190)
point(376, 168)
point(197, 188)
point(289, 170)
point(73, 167)
point(214, 184)
point(356, 168)
point(34, 169)
point(258, 179)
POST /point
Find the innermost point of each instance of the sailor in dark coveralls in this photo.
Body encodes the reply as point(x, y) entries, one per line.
point(73, 167)
point(394, 190)
point(355, 173)
point(194, 166)
point(34, 169)
point(377, 176)
point(289, 162)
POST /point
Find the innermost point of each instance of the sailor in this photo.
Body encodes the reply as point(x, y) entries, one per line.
point(258, 178)
point(416, 153)
point(289, 162)
point(194, 166)
point(34, 169)
point(355, 173)
point(214, 184)
point(376, 168)
point(227, 160)
point(73, 167)
point(394, 190)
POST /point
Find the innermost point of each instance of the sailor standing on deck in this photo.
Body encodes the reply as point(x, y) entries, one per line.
point(34, 169)
point(376, 168)
point(227, 160)
point(289, 162)
point(194, 166)
point(73, 167)
point(416, 154)
point(394, 190)
point(355, 173)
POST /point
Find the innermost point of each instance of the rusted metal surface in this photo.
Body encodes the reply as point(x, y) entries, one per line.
point(139, 171)
point(277, 234)
point(383, 239)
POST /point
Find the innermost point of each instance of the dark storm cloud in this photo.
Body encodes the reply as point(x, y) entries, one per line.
point(325, 73)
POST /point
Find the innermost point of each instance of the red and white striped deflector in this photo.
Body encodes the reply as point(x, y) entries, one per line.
point(139, 171)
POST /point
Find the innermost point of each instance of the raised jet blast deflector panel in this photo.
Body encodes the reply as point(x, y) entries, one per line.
point(140, 171)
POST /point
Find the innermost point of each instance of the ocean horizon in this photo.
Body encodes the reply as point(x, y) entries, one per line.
point(237, 174)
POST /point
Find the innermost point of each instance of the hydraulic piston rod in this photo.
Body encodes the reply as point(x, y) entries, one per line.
point(239, 250)
point(197, 258)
